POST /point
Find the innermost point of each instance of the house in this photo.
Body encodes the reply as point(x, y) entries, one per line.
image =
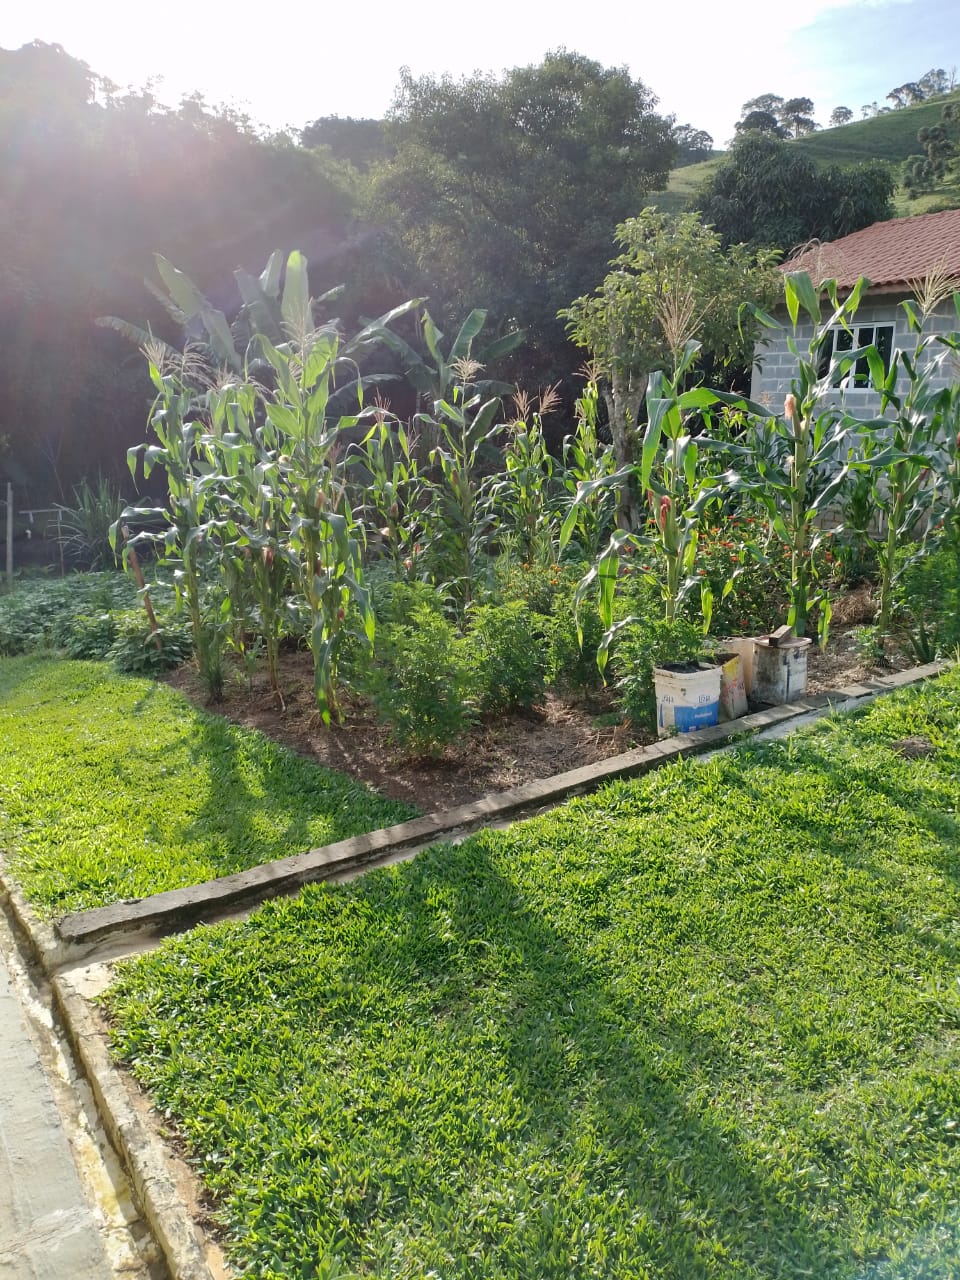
point(895, 257)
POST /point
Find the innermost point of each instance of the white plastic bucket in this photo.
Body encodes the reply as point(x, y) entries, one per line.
point(733, 689)
point(688, 696)
point(780, 671)
point(744, 646)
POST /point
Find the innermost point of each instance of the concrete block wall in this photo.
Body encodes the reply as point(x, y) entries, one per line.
point(775, 367)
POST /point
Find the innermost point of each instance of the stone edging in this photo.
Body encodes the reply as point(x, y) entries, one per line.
point(141, 1150)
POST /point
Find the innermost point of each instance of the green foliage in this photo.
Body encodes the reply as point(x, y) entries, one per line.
point(120, 163)
point(135, 651)
point(572, 643)
point(648, 641)
point(700, 1025)
point(85, 526)
point(505, 650)
point(926, 603)
point(670, 270)
point(40, 613)
point(506, 189)
point(773, 194)
point(797, 464)
point(421, 681)
point(913, 439)
point(747, 585)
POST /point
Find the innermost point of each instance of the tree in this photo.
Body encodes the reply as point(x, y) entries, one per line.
point(96, 180)
point(840, 116)
point(772, 194)
point(941, 147)
point(693, 144)
point(769, 102)
point(505, 191)
point(797, 115)
point(363, 143)
point(935, 82)
point(761, 122)
point(666, 265)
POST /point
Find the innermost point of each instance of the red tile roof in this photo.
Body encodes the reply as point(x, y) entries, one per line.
point(888, 253)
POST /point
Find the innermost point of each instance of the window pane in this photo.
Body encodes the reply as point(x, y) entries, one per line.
point(884, 344)
point(843, 342)
point(826, 355)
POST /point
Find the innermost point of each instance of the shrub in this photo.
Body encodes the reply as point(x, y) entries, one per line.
point(134, 650)
point(569, 663)
point(647, 642)
point(505, 647)
point(926, 602)
point(420, 683)
point(41, 613)
point(89, 635)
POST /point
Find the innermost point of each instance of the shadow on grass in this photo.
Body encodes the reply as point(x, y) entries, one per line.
point(605, 1078)
point(261, 801)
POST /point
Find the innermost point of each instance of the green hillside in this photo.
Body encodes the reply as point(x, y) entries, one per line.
point(891, 137)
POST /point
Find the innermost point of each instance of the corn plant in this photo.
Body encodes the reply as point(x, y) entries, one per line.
point(795, 464)
point(522, 496)
point(669, 473)
point(585, 460)
point(458, 517)
point(188, 516)
point(916, 441)
point(391, 486)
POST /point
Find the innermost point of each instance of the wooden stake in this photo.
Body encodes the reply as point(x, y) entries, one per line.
point(145, 594)
point(9, 536)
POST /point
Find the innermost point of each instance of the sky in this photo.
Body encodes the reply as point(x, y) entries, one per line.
point(702, 58)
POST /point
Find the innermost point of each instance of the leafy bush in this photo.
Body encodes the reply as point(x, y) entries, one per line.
point(505, 648)
point(737, 552)
point(420, 683)
point(926, 605)
point(135, 652)
point(40, 613)
point(569, 663)
point(648, 642)
point(88, 635)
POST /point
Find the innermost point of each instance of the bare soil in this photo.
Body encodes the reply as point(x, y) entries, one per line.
point(500, 752)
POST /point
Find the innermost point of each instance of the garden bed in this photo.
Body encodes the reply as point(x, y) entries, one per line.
point(504, 751)
point(700, 1025)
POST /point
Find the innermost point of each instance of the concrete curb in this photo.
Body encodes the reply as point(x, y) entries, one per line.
point(142, 1151)
point(139, 1148)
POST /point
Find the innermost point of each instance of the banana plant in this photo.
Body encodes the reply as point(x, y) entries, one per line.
point(433, 372)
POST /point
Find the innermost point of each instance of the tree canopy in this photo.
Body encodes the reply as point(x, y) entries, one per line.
point(505, 190)
point(769, 193)
point(672, 273)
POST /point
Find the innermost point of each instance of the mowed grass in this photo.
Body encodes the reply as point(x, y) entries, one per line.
point(112, 787)
point(702, 1024)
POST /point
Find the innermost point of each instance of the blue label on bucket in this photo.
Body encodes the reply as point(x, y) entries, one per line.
point(687, 718)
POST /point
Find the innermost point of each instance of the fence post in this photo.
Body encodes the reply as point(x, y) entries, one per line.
point(9, 536)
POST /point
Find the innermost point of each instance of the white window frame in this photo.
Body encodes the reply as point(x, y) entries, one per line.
point(853, 338)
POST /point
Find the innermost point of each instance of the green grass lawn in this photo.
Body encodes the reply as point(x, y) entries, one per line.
point(701, 1024)
point(112, 787)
